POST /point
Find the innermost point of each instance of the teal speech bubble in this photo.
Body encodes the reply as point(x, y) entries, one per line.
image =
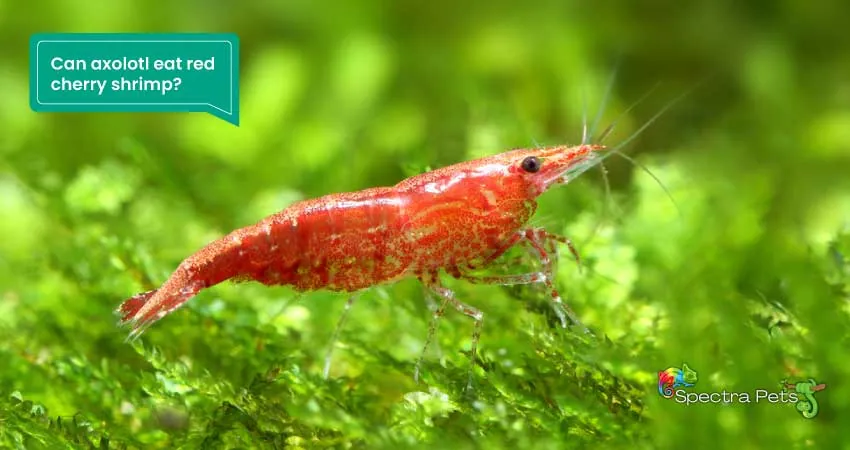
point(123, 72)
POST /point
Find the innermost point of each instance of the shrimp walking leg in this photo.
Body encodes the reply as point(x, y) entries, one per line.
point(438, 311)
point(475, 314)
point(335, 336)
point(550, 241)
point(543, 245)
point(540, 240)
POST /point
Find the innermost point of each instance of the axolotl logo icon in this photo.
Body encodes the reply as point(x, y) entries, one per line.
point(673, 379)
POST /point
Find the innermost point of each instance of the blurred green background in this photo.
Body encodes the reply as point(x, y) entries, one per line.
point(747, 283)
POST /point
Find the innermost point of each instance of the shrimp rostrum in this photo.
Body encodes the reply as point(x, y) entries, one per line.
point(455, 220)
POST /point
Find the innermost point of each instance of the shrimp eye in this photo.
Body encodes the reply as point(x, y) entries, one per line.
point(531, 164)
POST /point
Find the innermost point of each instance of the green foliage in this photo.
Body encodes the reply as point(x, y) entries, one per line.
point(744, 275)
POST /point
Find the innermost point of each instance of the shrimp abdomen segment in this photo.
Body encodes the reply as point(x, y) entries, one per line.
point(339, 242)
point(342, 242)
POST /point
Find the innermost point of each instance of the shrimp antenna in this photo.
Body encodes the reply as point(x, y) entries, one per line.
point(583, 118)
point(657, 115)
point(536, 143)
point(616, 150)
point(654, 177)
point(604, 170)
point(585, 138)
point(607, 131)
point(605, 97)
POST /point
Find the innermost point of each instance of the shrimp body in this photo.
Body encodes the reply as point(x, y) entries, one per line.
point(452, 219)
